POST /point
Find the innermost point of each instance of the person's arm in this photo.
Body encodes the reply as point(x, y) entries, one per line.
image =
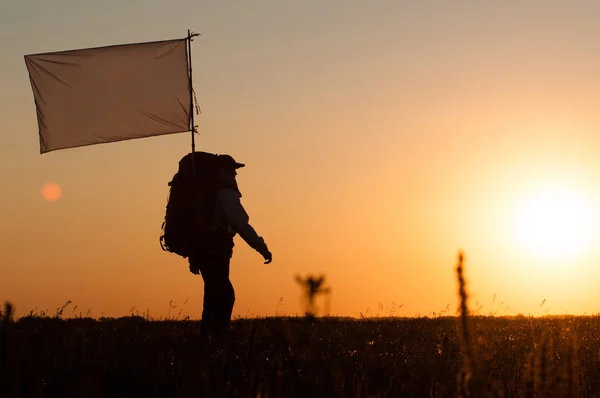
point(238, 218)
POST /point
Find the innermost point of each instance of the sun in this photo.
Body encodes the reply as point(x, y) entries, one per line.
point(555, 223)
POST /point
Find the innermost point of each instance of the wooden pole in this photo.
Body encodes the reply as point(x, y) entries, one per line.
point(191, 88)
point(192, 123)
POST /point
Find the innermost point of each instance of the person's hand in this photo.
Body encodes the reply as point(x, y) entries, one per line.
point(267, 256)
point(194, 270)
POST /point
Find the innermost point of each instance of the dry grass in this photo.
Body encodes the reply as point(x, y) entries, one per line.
point(549, 370)
point(466, 355)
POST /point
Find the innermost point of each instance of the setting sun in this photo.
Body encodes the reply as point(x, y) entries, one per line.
point(555, 223)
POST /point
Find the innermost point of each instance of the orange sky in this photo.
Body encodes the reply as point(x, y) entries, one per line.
point(380, 138)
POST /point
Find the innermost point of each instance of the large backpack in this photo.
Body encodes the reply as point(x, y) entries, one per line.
point(188, 224)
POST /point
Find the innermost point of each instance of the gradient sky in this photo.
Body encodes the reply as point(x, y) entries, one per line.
point(380, 138)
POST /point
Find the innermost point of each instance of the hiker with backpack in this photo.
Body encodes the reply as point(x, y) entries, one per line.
point(204, 213)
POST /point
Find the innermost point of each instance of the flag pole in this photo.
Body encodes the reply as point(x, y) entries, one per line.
point(192, 124)
point(191, 88)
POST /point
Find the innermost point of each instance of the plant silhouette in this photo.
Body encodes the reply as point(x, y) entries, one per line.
point(312, 287)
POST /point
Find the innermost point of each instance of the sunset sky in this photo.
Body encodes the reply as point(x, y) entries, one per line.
point(379, 137)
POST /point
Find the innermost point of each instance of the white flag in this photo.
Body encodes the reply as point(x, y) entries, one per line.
point(108, 94)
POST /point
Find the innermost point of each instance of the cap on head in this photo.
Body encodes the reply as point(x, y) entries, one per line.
point(228, 163)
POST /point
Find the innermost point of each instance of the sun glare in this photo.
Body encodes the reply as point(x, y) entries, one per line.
point(555, 223)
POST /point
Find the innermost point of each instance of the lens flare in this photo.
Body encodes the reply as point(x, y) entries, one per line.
point(51, 192)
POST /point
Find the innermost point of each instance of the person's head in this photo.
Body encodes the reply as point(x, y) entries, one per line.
point(228, 165)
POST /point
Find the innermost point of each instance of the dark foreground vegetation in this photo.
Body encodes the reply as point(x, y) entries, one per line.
point(296, 357)
point(470, 356)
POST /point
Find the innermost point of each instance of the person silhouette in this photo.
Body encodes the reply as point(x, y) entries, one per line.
point(212, 260)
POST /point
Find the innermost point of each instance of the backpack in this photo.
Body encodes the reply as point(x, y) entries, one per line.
point(188, 223)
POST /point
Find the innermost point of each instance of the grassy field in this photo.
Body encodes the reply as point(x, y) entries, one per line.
point(295, 357)
point(463, 355)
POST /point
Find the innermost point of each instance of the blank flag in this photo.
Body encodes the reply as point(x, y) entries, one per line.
point(107, 94)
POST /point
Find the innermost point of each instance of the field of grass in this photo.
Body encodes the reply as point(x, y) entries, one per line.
point(295, 357)
point(463, 355)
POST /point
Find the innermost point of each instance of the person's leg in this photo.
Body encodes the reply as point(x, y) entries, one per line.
point(224, 308)
point(219, 295)
point(198, 263)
